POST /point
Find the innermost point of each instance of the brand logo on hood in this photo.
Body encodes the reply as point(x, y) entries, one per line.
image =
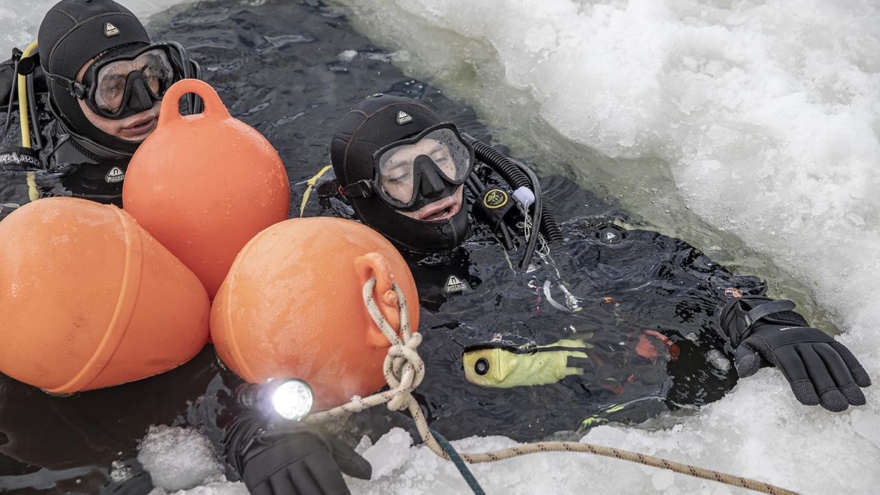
point(403, 117)
point(110, 30)
point(114, 175)
point(454, 284)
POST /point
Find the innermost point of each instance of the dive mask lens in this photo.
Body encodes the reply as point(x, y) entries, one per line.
point(399, 168)
point(112, 85)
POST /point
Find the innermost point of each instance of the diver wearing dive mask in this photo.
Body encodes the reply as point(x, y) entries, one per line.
point(392, 157)
point(404, 172)
point(93, 88)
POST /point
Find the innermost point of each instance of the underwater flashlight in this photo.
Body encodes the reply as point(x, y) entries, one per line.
point(287, 398)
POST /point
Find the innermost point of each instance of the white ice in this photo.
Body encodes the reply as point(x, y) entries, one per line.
point(178, 459)
point(766, 114)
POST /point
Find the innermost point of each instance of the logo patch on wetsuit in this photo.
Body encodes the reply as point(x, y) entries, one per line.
point(495, 198)
point(114, 175)
point(609, 234)
point(454, 284)
point(110, 30)
point(403, 117)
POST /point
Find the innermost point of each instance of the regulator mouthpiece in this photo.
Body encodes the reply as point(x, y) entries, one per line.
point(289, 399)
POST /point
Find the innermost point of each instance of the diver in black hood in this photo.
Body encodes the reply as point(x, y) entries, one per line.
point(87, 96)
point(404, 173)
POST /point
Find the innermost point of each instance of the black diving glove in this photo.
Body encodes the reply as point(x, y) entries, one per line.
point(290, 459)
point(763, 332)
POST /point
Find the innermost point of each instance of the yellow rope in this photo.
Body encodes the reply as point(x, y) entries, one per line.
point(404, 371)
point(311, 182)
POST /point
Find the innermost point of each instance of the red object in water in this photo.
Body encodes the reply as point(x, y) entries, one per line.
point(646, 349)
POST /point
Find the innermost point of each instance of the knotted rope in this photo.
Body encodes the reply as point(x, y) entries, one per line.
point(404, 370)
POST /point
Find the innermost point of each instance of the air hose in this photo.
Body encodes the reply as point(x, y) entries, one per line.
point(512, 173)
point(33, 194)
point(23, 100)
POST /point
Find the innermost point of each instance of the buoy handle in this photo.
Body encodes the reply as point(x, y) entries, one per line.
point(375, 265)
point(170, 110)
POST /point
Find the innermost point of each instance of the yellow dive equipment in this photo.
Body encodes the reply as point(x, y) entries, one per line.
point(505, 366)
point(33, 194)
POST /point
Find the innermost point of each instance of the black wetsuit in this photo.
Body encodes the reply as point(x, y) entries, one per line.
point(64, 168)
point(606, 289)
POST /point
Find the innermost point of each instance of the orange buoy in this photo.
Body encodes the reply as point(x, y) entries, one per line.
point(292, 307)
point(203, 185)
point(88, 299)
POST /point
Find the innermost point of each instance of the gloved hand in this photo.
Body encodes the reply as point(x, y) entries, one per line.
point(290, 459)
point(820, 370)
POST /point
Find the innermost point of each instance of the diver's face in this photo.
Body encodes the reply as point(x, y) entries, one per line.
point(134, 128)
point(397, 180)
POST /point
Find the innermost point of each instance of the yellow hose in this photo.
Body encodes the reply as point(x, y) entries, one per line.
point(311, 183)
point(33, 194)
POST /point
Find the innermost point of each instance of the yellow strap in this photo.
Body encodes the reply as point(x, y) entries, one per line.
point(33, 194)
point(311, 182)
point(22, 100)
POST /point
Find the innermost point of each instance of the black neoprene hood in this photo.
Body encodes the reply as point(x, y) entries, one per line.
point(73, 33)
point(377, 121)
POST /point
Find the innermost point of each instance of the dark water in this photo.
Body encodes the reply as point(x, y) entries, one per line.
point(67, 444)
point(277, 68)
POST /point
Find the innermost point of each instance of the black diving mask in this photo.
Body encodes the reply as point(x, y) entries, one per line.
point(417, 171)
point(122, 83)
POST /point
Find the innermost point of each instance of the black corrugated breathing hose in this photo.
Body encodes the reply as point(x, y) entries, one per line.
point(516, 177)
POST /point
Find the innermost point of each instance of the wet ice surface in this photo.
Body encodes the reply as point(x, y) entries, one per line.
point(729, 435)
point(766, 114)
point(179, 458)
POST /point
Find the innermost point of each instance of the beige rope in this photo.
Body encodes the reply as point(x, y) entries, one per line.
point(404, 371)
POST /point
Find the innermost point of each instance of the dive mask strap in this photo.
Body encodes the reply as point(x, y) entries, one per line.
point(76, 89)
point(359, 189)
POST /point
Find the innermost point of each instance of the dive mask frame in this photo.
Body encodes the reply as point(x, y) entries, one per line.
point(366, 188)
point(86, 90)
